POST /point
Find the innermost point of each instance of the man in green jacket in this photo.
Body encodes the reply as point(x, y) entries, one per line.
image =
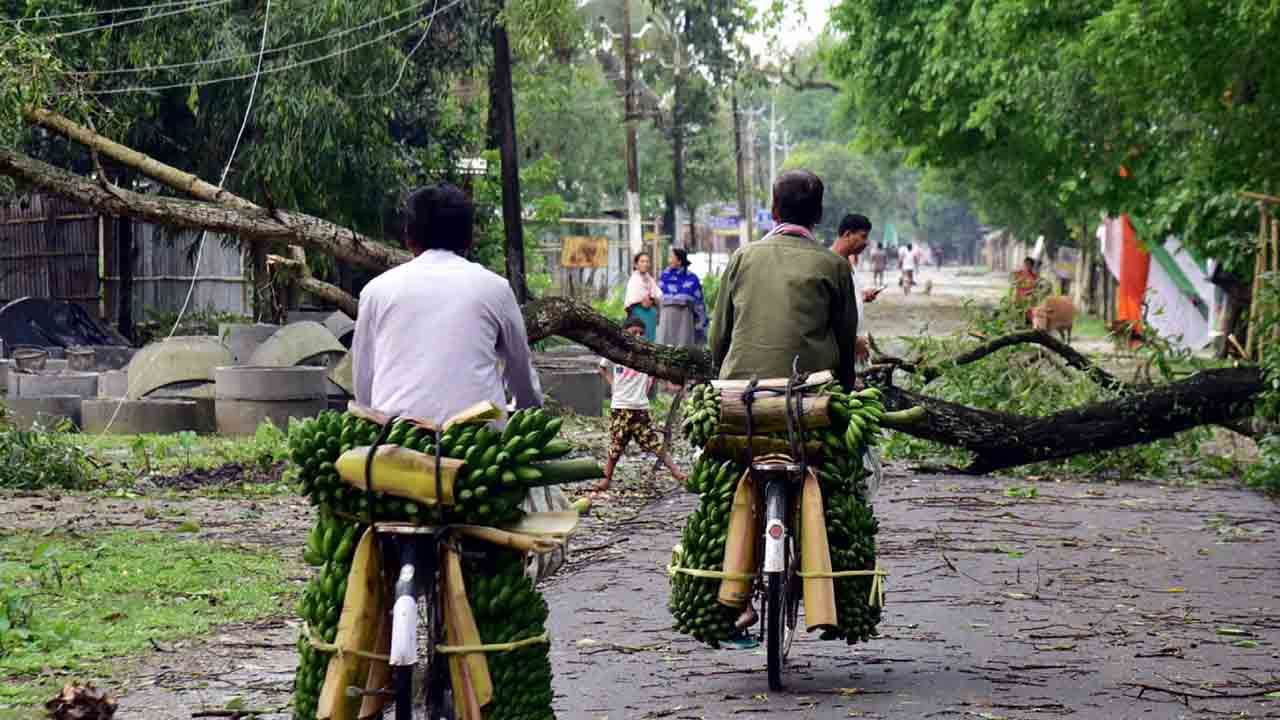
point(786, 295)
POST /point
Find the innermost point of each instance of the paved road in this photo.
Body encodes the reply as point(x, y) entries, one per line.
point(1058, 605)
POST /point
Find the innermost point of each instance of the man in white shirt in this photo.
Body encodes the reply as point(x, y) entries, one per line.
point(907, 264)
point(431, 333)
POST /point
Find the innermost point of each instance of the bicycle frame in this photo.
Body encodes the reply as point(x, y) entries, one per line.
point(417, 553)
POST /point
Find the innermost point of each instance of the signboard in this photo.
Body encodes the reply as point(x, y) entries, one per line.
point(579, 251)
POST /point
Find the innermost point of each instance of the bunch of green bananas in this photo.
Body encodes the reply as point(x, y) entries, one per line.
point(330, 547)
point(851, 535)
point(509, 608)
point(500, 465)
point(851, 523)
point(701, 414)
point(860, 413)
point(694, 601)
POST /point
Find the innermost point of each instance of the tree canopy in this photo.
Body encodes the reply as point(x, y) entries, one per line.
point(1049, 113)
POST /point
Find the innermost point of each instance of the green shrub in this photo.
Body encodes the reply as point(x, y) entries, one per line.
point(43, 458)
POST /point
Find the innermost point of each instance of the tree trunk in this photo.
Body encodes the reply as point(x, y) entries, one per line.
point(261, 281)
point(679, 204)
point(512, 213)
point(1000, 440)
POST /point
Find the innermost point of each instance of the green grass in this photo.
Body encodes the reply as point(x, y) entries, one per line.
point(179, 452)
point(89, 599)
point(1088, 327)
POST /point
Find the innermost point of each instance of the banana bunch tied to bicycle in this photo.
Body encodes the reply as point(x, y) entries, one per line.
point(500, 467)
point(855, 425)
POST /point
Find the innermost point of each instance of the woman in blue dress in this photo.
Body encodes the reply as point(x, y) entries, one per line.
point(683, 320)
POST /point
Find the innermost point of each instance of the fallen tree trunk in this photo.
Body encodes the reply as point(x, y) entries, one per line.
point(260, 225)
point(998, 440)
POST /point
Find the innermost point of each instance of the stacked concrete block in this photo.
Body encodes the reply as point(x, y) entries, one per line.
point(47, 411)
point(246, 396)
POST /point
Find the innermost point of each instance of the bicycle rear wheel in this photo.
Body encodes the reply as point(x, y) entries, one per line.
point(776, 594)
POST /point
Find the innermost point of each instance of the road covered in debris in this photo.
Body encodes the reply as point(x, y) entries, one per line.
point(1006, 600)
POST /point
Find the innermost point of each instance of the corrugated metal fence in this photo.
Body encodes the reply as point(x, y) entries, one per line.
point(54, 248)
point(163, 265)
point(49, 248)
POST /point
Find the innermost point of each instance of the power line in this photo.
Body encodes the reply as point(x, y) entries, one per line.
point(195, 272)
point(268, 71)
point(144, 18)
point(242, 56)
point(86, 13)
point(405, 62)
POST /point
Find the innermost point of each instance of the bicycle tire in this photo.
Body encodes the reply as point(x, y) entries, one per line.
point(402, 678)
point(775, 591)
point(773, 641)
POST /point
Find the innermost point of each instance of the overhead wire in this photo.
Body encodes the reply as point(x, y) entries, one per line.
point(235, 147)
point(87, 13)
point(405, 62)
point(241, 56)
point(270, 70)
point(134, 21)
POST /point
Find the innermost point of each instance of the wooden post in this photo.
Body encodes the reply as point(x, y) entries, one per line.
point(124, 269)
point(1275, 267)
point(1258, 266)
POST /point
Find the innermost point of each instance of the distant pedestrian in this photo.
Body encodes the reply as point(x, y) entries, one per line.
point(683, 320)
point(629, 417)
point(879, 261)
point(643, 294)
point(907, 262)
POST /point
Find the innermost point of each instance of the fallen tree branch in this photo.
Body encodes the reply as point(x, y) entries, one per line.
point(576, 321)
point(1187, 695)
point(145, 164)
point(1038, 337)
point(253, 225)
point(1001, 440)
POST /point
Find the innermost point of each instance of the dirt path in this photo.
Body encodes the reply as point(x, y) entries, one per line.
point(998, 607)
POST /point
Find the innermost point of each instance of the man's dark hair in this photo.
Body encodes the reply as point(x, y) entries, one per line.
point(633, 322)
point(854, 223)
point(797, 198)
point(1029, 261)
point(439, 218)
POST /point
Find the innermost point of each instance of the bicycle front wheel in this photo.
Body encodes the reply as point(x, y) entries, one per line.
point(774, 614)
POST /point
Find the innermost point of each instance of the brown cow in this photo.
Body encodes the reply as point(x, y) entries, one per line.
point(1056, 313)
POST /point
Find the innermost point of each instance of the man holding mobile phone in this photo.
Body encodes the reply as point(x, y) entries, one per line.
point(850, 242)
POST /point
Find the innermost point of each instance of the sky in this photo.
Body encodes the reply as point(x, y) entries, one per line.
point(804, 20)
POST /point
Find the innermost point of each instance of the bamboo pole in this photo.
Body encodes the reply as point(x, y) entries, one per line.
point(1275, 268)
point(769, 414)
point(1252, 341)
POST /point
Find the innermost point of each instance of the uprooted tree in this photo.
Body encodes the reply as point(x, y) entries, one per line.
point(997, 440)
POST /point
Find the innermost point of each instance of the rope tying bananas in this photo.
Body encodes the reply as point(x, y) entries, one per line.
point(855, 420)
point(488, 474)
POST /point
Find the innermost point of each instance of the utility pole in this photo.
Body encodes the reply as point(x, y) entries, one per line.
point(634, 236)
point(750, 171)
point(773, 138)
point(744, 234)
point(512, 212)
